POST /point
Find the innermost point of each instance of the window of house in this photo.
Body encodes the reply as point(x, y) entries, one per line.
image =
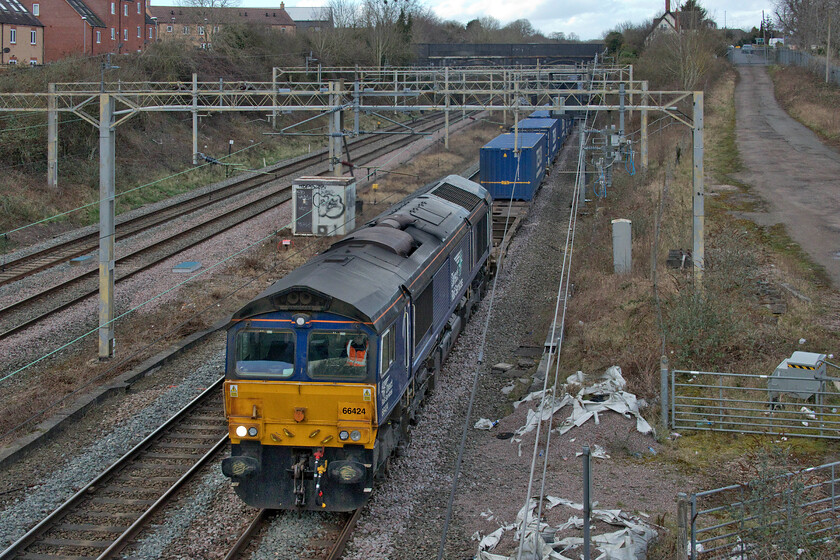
point(13, 61)
point(169, 29)
point(139, 33)
point(201, 30)
point(13, 36)
point(125, 34)
point(36, 9)
point(215, 29)
point(113, 8)
point(150, 33)
point(33, 61)
point(33, 37)
point(138, 7)
point(125, 10)
point(98, 36)
point(113, 34)
point(186, 30)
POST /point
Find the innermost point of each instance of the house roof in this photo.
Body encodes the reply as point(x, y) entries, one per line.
point(85, 12)
point(189, 14)
point(313, 13)
point(13, 12)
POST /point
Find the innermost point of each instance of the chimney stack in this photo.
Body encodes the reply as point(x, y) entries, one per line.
point(667, 6)
point(283, 5)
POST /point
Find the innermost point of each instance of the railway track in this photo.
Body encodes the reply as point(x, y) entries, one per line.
point(37, 307)
point(104, 516)
point(26, 265)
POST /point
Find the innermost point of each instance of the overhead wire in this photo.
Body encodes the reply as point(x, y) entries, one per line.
point(123, 193)
point(553, 356)
point(479, 363)
point(166, 334)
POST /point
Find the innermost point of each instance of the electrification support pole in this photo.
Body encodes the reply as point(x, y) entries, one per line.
point(632, 87)
point(446, 111)
point(587, 499)
point(332, 129)
point(339, 129)
point(699, 195)
point(52, 138)
point(582, 159)
point(107, 176)
point(663, 392)
point(356, 108)
point(492, 95)
point(274, 98)
point(644, 126)
point(505, 96)
point(195, 118)
point(621, 110)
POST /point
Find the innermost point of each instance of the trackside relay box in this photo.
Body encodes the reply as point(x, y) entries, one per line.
point(323, 206)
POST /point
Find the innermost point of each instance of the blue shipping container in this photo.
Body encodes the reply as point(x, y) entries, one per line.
point(549, 127)
point(507, 175)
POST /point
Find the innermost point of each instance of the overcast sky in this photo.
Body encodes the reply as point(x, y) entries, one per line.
point(588, 18)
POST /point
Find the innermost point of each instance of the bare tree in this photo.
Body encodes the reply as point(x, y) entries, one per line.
point(805, 22)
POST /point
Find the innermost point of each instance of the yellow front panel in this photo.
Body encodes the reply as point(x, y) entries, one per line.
point(301, 414)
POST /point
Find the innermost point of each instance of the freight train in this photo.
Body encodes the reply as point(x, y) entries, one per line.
point(326, 368)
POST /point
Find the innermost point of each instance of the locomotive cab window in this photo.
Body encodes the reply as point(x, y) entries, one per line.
point(265, 353)
point(389, 350)
point(338, 355)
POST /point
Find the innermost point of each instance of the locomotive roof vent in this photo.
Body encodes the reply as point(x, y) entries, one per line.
point(396, 221)
point(462, 198)
point(389, 238)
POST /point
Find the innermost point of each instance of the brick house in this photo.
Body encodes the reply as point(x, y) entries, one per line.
point(21, 35)
point(92, 27)
point(197, 25)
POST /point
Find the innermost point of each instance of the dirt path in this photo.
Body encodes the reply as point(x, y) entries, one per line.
point(790, 168)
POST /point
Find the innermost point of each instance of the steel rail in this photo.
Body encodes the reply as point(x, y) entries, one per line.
point(246, 536)
point(338, 549)
point(283, 194)
point(90, 242)
point(65, 508)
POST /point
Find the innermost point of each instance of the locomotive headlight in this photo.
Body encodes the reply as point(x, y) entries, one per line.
point(252, 431)
point(241, 431)
point(343, 435)
point(300, 321)
point(355, 435)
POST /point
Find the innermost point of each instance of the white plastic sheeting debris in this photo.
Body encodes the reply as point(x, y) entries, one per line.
point(596, 451)
point(485, 424)
point(630, 542)
point(605, 395)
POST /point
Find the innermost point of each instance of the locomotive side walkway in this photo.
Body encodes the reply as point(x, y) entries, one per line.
point(788, 165)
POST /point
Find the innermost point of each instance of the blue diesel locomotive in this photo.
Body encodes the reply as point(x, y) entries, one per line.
point(326, 368)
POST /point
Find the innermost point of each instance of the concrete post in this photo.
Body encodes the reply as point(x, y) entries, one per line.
point(492, 95)
point(682, 527)
point(52, 138)
point(339, 128)
point(622, 246)
point(632, 87)
point(107, 180)
point(699, 212)
point(195, 118)
point(643, 143)
point(663, 392)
